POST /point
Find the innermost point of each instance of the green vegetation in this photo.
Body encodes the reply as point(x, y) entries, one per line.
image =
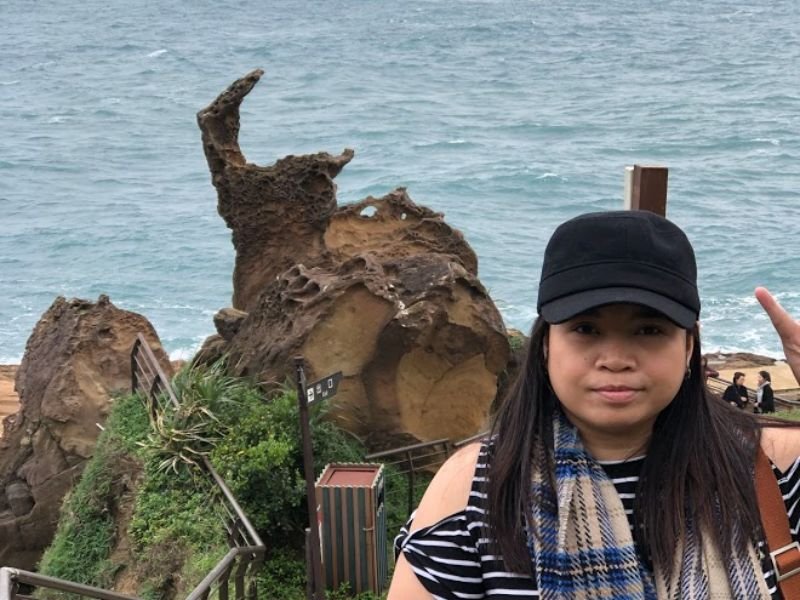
point(792, 415)
point(145, 520)
point(261, 461)
point(86, 532)
point(516, 342)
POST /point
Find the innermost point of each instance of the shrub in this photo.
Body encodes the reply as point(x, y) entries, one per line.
point(184, 435)
point(261, 460)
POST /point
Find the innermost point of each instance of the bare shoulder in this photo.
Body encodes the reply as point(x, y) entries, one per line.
point(781, 445)
point(448, 492)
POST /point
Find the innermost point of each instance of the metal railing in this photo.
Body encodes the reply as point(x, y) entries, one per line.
point(715, 384)
point(425, 456)
point(246, 548)
point(409, 460)
point(10, 580)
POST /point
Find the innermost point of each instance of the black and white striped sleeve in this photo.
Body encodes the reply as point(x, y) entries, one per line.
point(444, 558)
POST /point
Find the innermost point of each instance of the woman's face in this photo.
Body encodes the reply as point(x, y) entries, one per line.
point(739, 380)
point(760, 379)
point(615, 368)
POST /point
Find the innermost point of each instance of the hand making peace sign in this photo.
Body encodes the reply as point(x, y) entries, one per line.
point(788, 329)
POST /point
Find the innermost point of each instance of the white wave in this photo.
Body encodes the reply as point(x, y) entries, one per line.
point(157, 53)
point(759, 350)
point(549, 175)
point(184, 353)
point(773, 141)
point(457, 141)
point(58, 119)
point(15, 82)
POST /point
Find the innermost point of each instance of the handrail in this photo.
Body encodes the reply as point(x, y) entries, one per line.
point(412, 447)
point(10, 576)
point(148, 377)
point(406, 455)
point(470, 439)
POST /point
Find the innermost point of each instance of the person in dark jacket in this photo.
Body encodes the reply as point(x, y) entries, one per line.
point(736, 393)
point(765, 399)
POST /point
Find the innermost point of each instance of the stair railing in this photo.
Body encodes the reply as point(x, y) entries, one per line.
point(10, 580)
point(246, 552)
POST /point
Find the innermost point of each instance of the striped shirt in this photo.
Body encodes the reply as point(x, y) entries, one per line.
point(453, 561)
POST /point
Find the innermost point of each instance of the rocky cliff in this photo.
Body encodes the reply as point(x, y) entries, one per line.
point(76, 359)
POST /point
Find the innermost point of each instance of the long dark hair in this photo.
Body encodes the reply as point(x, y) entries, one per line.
point(699, 465)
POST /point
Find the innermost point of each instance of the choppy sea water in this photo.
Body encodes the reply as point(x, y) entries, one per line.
point(509, 117)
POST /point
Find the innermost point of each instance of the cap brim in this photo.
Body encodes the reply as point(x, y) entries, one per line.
point(567, 307)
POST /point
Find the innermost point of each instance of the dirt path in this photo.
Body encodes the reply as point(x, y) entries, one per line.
point(9, 403)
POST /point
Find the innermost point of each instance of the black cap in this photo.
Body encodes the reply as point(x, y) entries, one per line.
point(627, 256)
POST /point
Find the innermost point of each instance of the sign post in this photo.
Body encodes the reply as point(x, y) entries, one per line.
point(317, 582)
point(320, 390)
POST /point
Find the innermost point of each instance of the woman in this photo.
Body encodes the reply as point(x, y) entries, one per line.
point(608, 472)
point(736, 394)
point(765, 399)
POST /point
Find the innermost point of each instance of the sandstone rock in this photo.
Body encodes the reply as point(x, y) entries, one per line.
point(214, 348)
point(77, 357)
point(228, 321)
point(19, 498)
point(383, 290)
point(276, 213)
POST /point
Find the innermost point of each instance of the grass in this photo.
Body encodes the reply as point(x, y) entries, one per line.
point(86, 533)
point(792, 414)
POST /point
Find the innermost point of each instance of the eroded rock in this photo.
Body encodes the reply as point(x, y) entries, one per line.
point(228, 321)
point(19, 498)
point(77, 357)
point(382, 290)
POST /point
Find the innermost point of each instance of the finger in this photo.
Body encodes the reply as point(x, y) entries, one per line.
point(781, 320)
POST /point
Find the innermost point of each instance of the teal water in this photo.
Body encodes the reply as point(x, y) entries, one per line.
point(509, 117)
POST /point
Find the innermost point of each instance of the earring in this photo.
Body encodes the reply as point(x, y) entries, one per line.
point(688, 371)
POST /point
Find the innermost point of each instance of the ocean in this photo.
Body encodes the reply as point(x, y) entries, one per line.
point(507, 116)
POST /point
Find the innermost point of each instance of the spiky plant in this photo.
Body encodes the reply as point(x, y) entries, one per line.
point(183, 435)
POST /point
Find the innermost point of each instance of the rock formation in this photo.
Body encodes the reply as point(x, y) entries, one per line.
point(382, 290)
point(77, 357)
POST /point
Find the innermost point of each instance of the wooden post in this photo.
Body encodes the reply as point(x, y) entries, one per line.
point(646, 189)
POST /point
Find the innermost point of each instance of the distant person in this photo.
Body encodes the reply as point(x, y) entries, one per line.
point(765, 399)
point(736, 393)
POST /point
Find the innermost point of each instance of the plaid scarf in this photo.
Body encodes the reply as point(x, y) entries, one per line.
point(584, 548)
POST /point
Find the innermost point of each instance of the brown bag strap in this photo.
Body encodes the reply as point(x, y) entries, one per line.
point(784, 552)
